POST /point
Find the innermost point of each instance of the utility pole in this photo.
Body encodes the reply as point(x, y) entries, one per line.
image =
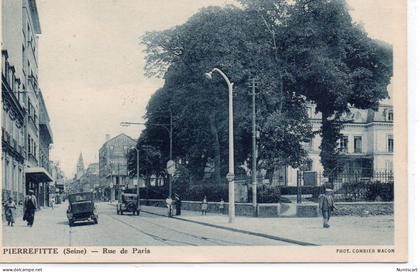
point(138, 176)
point(254, 148)
point(170, 152)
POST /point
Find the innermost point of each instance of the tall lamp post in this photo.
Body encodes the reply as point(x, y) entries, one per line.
point(169, 129)
point(231, 175)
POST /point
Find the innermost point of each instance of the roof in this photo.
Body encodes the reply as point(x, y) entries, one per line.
point(118, 136)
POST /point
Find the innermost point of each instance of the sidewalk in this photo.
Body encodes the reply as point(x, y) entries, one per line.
point(345, 230)
point(50, 224)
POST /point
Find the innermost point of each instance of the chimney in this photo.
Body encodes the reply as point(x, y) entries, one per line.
point(107, 137)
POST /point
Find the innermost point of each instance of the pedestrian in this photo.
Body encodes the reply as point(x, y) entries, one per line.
point(10, 208)
point(29, 208)
point(169, 205)
point(222, 206)
point(204, 206)
point(178, 204)
point(326, 206)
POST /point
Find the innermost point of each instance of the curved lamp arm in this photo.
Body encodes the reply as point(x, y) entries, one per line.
point(228, 82)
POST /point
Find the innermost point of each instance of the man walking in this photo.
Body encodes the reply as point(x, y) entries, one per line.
point(29, 208)
point(326, 206)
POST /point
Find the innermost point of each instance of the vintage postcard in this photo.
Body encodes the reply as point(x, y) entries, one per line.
point(140, 131)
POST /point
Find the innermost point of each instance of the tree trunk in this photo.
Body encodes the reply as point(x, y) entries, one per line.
point(330, 134)
point(216, 146)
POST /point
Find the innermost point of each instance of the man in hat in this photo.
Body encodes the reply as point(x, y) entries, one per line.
point(29, 207)
point(326, 205)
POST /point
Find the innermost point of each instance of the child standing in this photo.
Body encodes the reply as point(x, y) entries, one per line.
point(10, 208)
point(204, 206)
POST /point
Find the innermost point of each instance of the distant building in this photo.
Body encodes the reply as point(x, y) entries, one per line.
point(113, 164)
point(80, 167)
point(90, 179)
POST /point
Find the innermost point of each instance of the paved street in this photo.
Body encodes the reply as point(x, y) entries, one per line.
point(151, 228)
point(51, 229)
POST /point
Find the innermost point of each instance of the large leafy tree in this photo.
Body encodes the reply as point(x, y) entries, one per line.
point(236, 42)
point(326, 58)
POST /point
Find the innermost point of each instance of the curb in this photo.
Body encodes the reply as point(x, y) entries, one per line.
point(272, 237)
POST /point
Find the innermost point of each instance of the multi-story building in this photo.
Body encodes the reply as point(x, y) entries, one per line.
point(20, 31)
point(366, 146)
point(13, 129)
point(113, 165)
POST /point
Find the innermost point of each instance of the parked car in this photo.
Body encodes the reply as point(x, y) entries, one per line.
point(81, 208)
point(128, 203)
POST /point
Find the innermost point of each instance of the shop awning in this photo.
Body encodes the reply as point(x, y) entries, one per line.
point(38, 174)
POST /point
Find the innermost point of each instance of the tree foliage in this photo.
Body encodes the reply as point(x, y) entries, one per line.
point(299, 51)
point(236, 42)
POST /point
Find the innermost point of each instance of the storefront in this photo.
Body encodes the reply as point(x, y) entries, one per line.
point(37, 180)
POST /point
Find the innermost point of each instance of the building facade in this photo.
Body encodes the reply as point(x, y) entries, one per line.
point(13, 129)
point(20, 34)
point(366, 146)
point(113, 172)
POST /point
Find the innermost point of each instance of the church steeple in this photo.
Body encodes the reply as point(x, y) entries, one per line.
point(80, 168)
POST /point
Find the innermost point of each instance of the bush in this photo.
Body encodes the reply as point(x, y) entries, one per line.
point(367, 191)
point(268, 194)
point(380, 191)
point(213, 192)
point(305, 190)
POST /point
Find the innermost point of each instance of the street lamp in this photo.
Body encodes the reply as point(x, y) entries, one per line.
point(231, 175)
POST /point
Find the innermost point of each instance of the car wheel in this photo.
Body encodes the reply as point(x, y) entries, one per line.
point(138, 213)
point(95, 220)
point(71, 223)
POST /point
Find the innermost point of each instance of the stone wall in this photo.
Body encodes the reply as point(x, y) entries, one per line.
point(364, 208)
point(307, 209)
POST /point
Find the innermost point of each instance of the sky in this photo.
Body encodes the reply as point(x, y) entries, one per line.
point(91, 64)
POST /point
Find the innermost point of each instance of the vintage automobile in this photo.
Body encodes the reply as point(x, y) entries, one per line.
point(128, 203)
point(81, 208)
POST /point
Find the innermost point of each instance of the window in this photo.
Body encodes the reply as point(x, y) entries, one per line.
point(390, 146)
point(357, 144)
point(29, 145)
point(4, 64)
point(390, 116)
point(344, 144)
point(29, 107)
